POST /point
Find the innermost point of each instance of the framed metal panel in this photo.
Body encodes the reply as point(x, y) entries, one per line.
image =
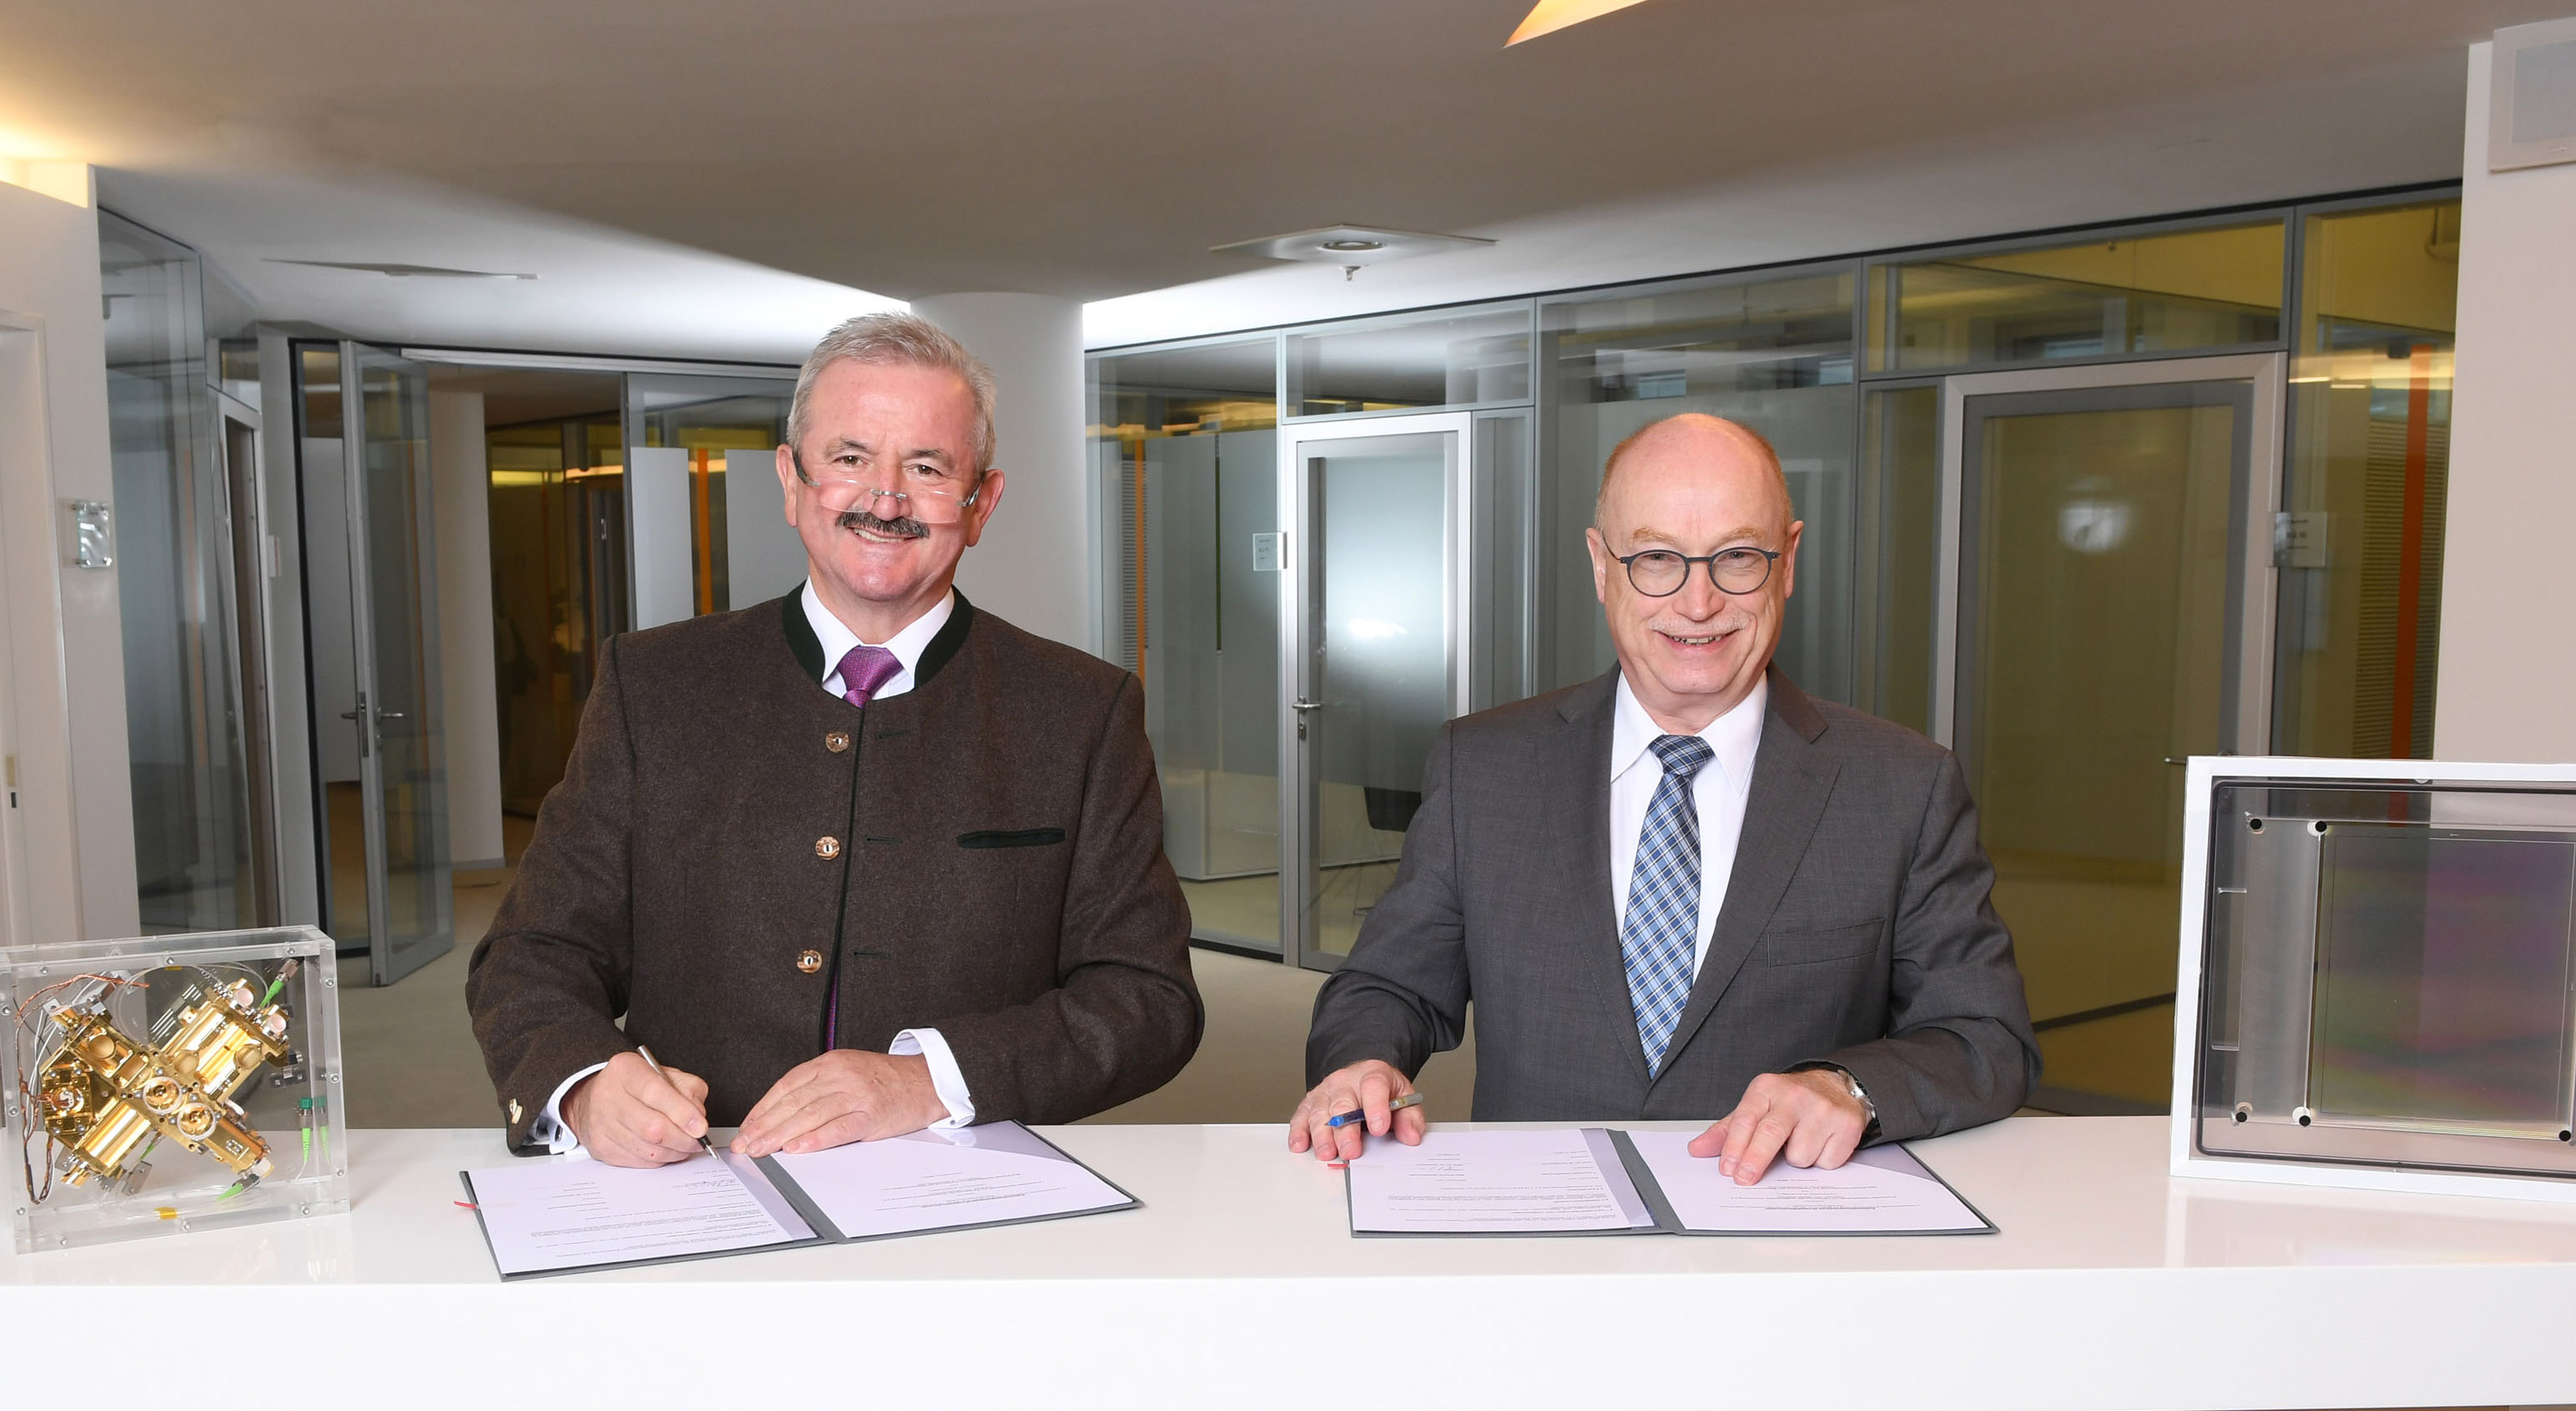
point(2403, 1156)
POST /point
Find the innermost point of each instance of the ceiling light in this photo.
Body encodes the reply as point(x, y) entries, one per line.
point(1549, 16)
point(403, 271)
point(1350, 246)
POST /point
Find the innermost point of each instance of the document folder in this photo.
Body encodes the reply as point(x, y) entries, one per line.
point(1597, 1181)
point(571, 1217)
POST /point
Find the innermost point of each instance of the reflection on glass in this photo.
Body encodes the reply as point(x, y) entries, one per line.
point(1500, 607)
point(1379, 663)
point(2442, 969)
point(1774, 354)
point(2209, 288)
point(721, 422)
point(2094, 643)
point(1445, 359)
point(1188, 466)
point(2360, 544)
point(1898, 529)
point(175, 579)
point(558, 587)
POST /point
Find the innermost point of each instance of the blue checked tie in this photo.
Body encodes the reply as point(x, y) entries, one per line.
point(1662, 929)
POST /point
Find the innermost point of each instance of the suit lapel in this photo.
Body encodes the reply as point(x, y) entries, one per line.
point(1581, 764)
point(1790, 785)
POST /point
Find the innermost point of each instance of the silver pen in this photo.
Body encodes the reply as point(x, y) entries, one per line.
point(650, 1062)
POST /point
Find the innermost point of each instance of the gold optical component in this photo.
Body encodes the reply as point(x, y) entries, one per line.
point(104, 1096)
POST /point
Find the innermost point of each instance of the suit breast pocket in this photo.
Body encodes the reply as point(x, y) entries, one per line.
point(1854, 942)
point(1011, 838)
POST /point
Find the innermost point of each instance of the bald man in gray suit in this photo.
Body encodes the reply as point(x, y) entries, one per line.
point(1686, 889)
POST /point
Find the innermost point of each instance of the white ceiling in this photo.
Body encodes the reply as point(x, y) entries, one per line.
point(722, 181)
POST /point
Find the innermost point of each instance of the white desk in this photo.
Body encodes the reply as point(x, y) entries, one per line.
point(1238, 1285)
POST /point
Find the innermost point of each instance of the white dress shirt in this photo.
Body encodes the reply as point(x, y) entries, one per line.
point(1718, 790)
point(837, 639)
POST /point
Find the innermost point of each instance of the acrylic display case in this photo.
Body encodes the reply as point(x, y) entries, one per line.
point(2378, 979)
point(171, 1083)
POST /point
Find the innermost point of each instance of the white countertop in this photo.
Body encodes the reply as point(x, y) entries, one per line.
point(2110, 1285)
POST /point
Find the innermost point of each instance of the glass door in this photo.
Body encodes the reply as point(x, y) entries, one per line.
point(372, 582)
point(410, 901)
point(1374, 638)
point(2110, 590)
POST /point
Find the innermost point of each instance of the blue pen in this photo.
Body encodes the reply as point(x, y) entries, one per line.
point(1392, 1108)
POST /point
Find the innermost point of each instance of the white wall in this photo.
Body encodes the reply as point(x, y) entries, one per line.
point(2508, 675)
point(71, 841)
point(461, 506)
point(1035, 564)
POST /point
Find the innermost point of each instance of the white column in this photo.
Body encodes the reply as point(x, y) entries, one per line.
point(1035, 564)
point(2508, 666)
point(461, 509)
point(67, 848)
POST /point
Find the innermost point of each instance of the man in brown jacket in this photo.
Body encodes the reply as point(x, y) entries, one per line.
point(855, 862)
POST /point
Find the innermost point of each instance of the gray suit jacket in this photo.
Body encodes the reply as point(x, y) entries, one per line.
point(1856, 930)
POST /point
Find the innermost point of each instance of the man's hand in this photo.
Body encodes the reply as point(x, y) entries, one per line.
point(1363, 1087)
point(629, 1115)
point(844, 1096)
point(1805, 1119)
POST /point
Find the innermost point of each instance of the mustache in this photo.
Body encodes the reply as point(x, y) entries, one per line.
point(904, 528)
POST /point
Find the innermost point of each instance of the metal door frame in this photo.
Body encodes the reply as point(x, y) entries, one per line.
point(370, 711)
point(1296, 562)
point(2267, 374)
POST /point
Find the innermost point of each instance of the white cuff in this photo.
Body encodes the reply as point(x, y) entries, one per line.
point(550, 1126)
point(944, 1077)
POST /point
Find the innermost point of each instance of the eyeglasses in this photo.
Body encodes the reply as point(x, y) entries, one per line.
point(922, 490)
point(1660, 573)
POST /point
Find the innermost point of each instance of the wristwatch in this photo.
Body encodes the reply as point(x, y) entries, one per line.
point(1851, 1084)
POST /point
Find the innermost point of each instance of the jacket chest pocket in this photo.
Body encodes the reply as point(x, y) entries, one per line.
point(1815, 947)
point(1011, 838)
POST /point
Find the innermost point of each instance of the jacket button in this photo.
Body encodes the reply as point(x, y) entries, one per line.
point(810, 961)
point(827, 847)
point(837, 741)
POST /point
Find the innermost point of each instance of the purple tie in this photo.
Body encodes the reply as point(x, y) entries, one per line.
point(864, 670)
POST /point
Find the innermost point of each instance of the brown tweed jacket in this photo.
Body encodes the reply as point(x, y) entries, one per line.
point(731, 847)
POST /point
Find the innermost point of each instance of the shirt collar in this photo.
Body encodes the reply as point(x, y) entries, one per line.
point(1735, 736)
point(907, 645)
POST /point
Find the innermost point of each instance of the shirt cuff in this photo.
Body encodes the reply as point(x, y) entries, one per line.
point(550, 1127)
point(944, 1077)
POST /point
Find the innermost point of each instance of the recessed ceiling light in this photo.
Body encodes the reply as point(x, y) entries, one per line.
point(1350, 246)
point(402, 271)
point(1549, 16)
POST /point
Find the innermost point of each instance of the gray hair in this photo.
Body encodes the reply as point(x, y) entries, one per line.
point(898, 340)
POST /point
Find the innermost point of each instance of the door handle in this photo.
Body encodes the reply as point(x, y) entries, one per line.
point(391, 715)
point(1305, 705)
point(348, 715)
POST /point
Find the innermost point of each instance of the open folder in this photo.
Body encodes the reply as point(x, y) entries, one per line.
point(568, 1216)
point(1593, 1181)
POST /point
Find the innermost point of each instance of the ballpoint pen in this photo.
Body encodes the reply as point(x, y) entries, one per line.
point(651, 1062)
point(1392, 1108)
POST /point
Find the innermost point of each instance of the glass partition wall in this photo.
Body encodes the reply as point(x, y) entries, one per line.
point(1970, 567)
point(198, 856)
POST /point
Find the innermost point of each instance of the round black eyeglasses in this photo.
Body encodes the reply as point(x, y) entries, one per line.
point(1660, 573)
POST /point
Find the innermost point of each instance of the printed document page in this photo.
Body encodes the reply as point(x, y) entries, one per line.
point(1881, 1191)
point(1504, 1183)
point(548, 1216)
point(988, 1175)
